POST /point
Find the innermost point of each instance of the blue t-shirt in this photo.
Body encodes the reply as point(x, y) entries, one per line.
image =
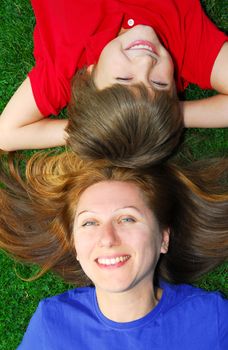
point(186, 318)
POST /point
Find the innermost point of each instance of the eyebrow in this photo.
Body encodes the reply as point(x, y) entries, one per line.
point(129, 207)
point(85, 211)
point(94, 212)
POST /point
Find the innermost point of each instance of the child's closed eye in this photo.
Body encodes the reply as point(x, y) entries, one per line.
point(123, 79)
point(160, 85)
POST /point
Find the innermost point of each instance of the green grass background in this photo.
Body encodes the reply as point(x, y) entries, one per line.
point(19, 299)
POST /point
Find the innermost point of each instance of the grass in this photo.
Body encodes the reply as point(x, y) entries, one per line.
point(19, 299)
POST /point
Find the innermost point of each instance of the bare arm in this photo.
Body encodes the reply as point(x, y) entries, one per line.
point(22, 125)
point(211, 112)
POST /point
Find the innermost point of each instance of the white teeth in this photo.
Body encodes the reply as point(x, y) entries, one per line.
point(140, 46)
point(112, 261)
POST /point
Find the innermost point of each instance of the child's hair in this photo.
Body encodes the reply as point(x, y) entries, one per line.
point(37, 213)
point(128, 126)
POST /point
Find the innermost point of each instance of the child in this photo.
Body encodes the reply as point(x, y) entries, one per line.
point(130, 230)
point(124, 42)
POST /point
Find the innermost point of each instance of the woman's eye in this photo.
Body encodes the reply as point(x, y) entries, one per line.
point(127, 219)
point(89, 223)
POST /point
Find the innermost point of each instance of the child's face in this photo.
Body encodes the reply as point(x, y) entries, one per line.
point(117, 237)
point(133, 57)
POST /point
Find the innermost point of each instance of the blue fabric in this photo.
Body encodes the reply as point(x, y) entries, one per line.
point(186, 318)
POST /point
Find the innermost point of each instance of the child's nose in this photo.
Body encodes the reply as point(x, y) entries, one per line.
point(144, 62)
point(143, 67)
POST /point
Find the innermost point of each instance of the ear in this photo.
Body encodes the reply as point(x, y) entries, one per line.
point(165, 241)
point(90, 68)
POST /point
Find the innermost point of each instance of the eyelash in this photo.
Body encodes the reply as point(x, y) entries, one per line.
point(158, 83)
point(128, 219)
point(123, 79)
point(89, 223)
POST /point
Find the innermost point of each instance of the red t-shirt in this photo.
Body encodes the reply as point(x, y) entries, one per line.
point(71, 34)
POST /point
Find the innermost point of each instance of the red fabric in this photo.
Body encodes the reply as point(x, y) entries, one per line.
point(71, 34)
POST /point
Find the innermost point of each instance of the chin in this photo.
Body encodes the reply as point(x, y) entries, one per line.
point(115, 288)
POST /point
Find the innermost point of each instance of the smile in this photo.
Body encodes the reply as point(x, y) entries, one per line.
point(113, 261)
point(142, 45)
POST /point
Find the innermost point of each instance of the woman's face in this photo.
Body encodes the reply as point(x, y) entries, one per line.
point(133, 57)
point(117, 238)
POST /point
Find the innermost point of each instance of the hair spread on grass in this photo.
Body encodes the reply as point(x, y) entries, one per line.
point(37, 211)
point(130, 126)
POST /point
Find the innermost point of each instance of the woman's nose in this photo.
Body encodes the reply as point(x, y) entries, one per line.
point(108, 236)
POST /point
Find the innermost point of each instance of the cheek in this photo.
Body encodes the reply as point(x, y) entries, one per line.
point(111, 58)
point(166, 68)
point(167, 71)
point(169, 67)
point(106, 54)
point(151, 253)
point(164, 73)
point(83, 245)
point(139, 239)
point(150, 243)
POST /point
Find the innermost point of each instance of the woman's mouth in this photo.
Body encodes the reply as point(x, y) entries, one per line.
point(112, 261)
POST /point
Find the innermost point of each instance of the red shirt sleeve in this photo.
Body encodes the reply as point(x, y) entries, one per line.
point(60, 35)
point(203, 43)
point(50, 87)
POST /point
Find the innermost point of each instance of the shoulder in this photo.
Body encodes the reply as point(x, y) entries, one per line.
point(76, 295)
point(195, 299)
point(197, 319)
point(65, 307)
point(52, 326)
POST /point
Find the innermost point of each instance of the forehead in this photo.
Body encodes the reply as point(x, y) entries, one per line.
point(111, 193)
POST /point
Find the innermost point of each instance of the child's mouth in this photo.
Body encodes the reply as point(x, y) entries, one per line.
point(142, 45)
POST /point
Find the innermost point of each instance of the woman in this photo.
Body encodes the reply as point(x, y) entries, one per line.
point(130, 230)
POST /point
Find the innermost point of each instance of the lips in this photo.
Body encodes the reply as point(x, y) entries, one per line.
point(142, 45)
point(113, 261)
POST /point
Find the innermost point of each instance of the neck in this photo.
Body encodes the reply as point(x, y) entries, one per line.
point(129, 305)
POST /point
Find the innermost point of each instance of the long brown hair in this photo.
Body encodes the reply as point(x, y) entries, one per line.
point(128, 126)
point(37, 212)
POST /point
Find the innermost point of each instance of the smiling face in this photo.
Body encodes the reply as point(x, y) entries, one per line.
point(117, 238)
point(136, 56)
